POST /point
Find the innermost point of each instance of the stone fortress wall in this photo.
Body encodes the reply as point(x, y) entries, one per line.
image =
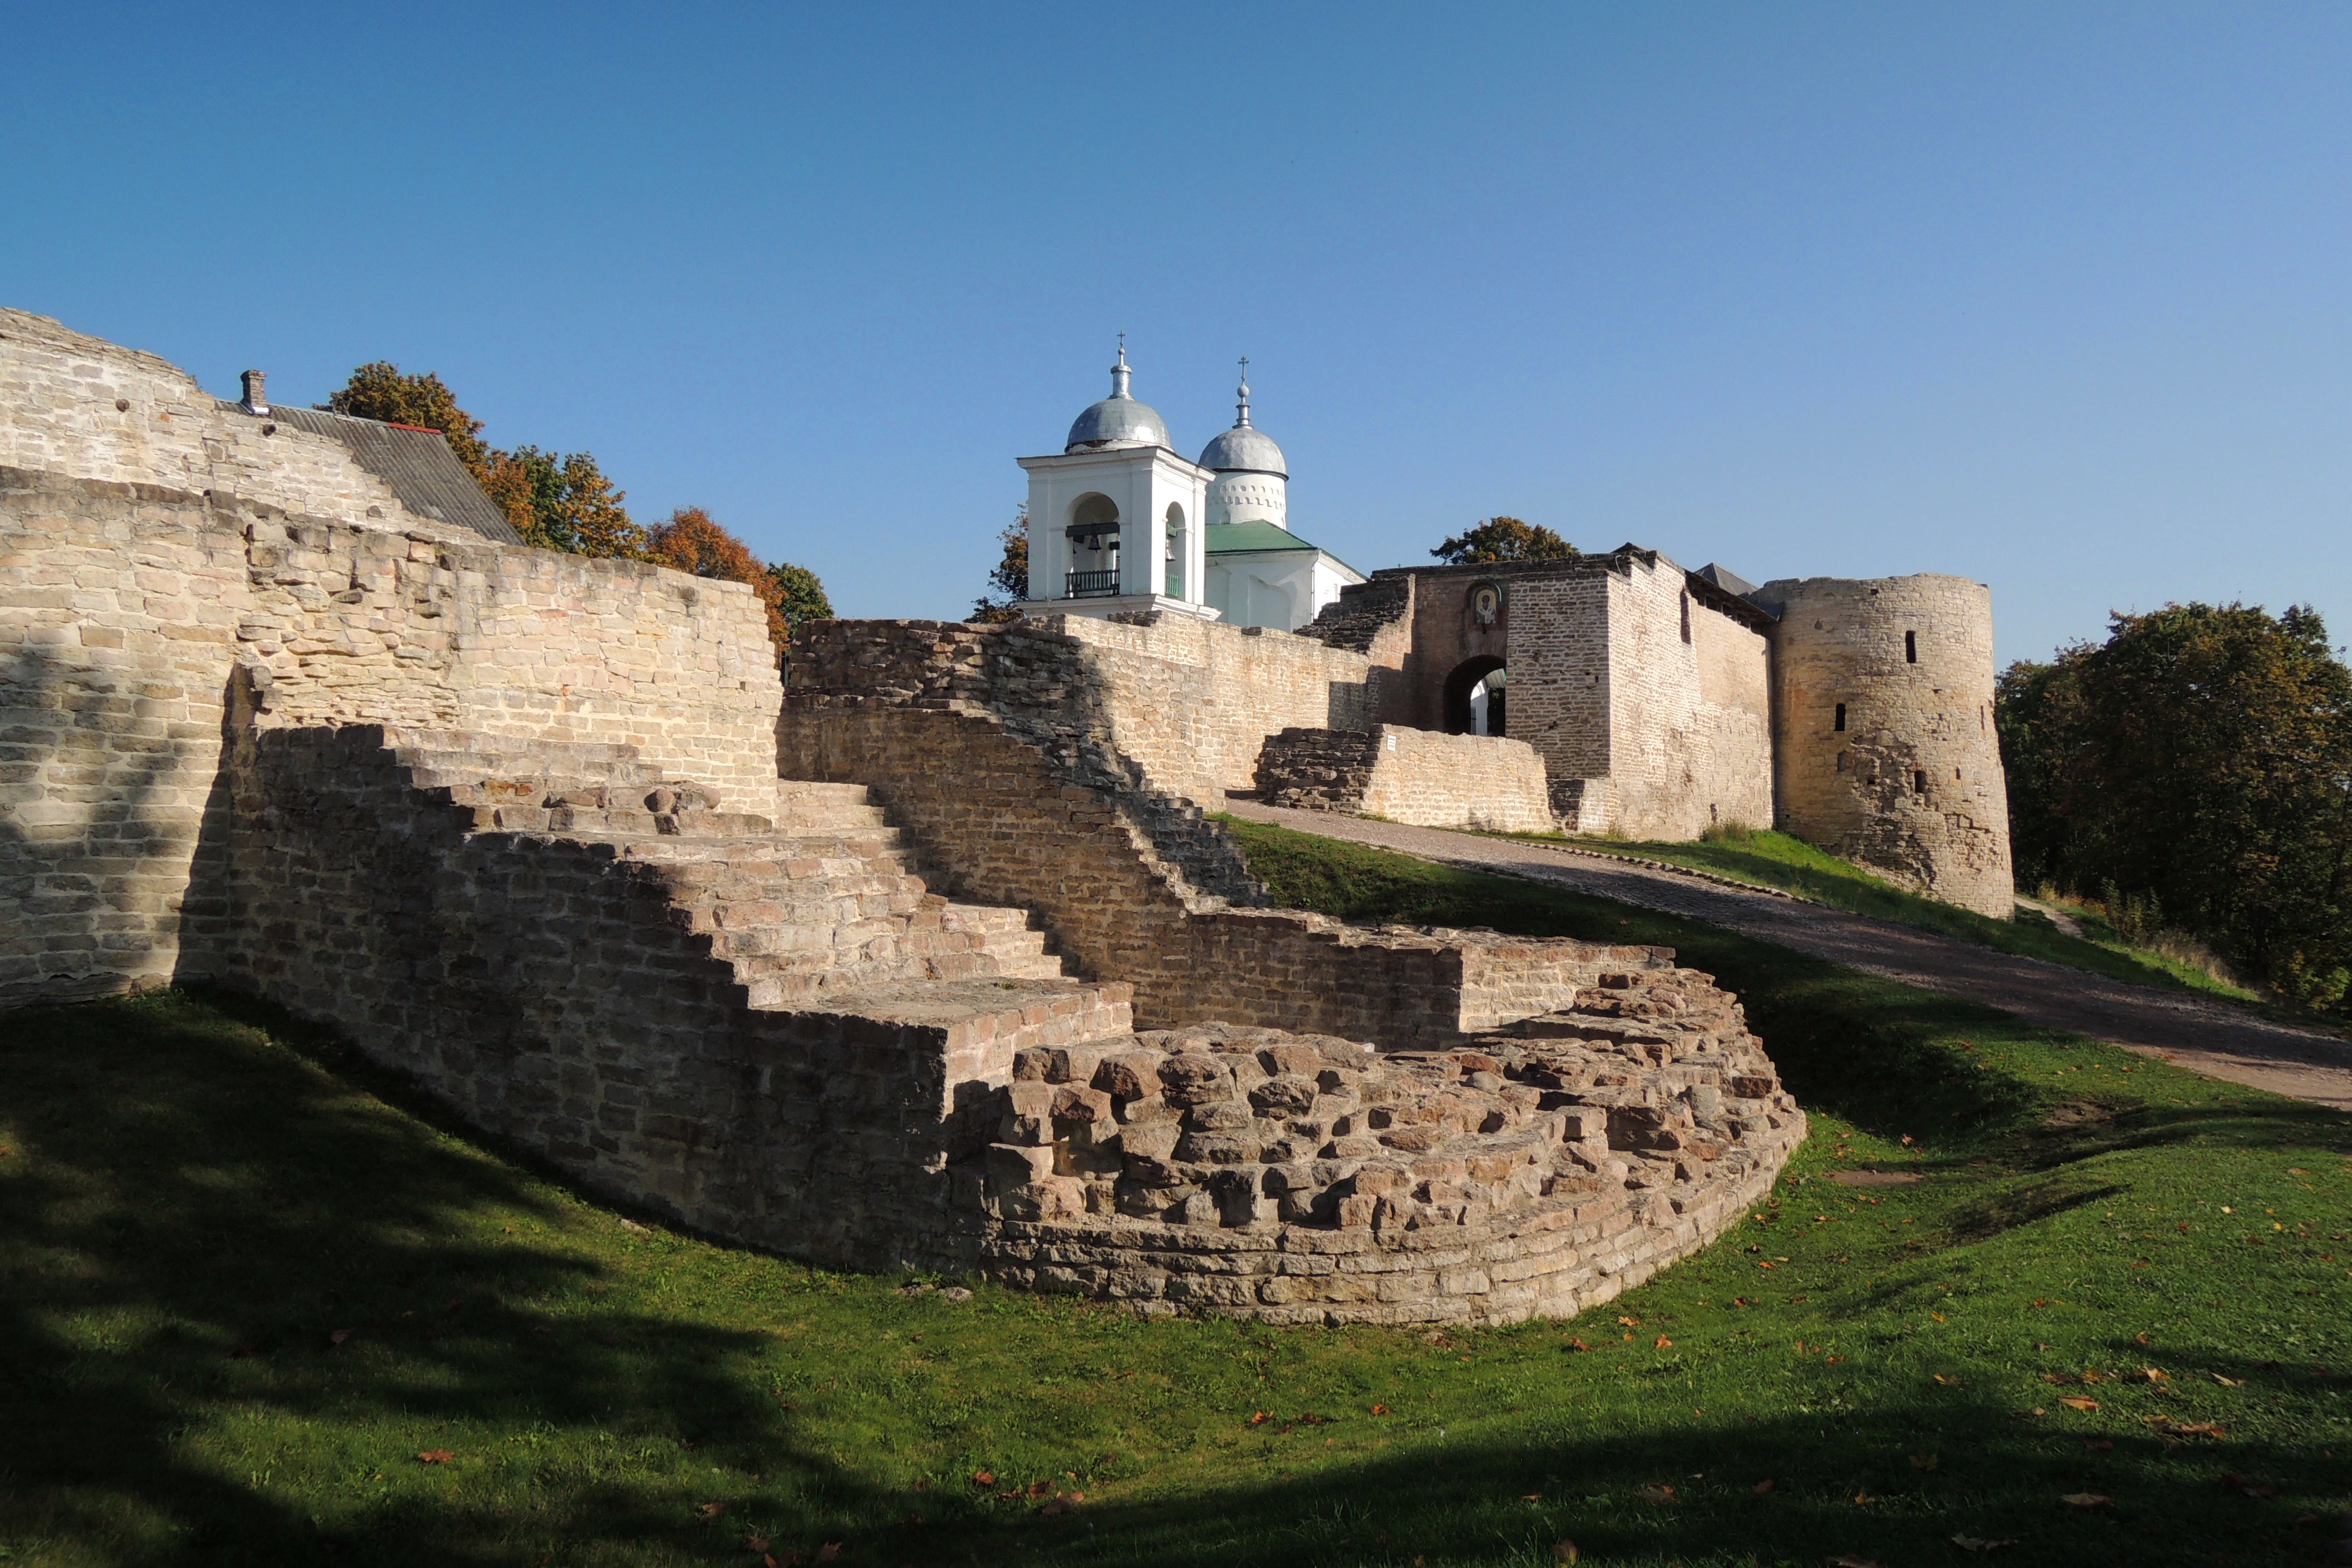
point(130, 608)
point(1884, 741)
point(1644, 689)
point(1419, 777)
point(81, 407)
point(129, 602)
point(514, 822)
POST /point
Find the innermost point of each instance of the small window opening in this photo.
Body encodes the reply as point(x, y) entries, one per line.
point(1841, 767)
point(1686, 614)
point(1841, 718)
point(1910, 647)
point(1956, 775)
point(1919, 781)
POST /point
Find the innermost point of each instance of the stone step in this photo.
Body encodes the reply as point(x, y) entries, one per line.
point(792, 943)
point(798, 839)
point(455, 765)
point(818, 905)
point(699, 890)
point(882, 953)
point(989, 918)
point(803, 806)
point(811, 792)
point(604, 825)
point(985, 1016)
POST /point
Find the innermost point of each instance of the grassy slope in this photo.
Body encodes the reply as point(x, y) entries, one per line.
point(183, 1182)
point(1774, 859)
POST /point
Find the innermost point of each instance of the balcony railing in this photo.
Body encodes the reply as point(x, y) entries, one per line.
point(1094, 584)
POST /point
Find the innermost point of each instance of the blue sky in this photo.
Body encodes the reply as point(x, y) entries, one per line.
point(2059, 297)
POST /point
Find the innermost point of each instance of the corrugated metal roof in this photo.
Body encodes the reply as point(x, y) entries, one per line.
point(1725, 578)
point(417, 465)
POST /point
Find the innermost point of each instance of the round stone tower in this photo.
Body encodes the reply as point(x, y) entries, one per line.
point(1883, 743)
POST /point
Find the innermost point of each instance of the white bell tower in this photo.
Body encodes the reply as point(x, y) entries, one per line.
point(1116, 519)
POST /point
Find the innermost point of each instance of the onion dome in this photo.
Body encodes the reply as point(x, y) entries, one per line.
point(1117, 420)
point(1244, 448)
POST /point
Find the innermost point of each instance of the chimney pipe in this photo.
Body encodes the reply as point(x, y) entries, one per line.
point(256, 400)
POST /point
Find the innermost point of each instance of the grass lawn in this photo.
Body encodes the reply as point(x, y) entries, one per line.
point(1775, 859)
point(247, 1283)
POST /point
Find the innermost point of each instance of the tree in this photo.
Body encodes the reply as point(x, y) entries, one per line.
point(1504, 538)
point(691, 541)
point(2201, 758)
point(1008, 580)
point(378, 390)
point(555, 500)
point(564, 502)
point(800, 594)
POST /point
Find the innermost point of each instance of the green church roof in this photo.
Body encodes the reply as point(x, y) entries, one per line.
point(1259, 538)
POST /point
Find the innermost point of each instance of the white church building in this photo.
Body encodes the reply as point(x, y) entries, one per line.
point(1119, 520)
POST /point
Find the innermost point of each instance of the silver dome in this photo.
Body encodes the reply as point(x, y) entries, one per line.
point(1117, 420)
point(1243, 448)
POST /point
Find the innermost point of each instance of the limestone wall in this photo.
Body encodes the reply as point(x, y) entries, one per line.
point(125, 607)
point(1186, 702)
point(999, 818)
point(1414, 777)
point(81, 407)
point(1646, 693)
point(1561, 688)
point(547, 989)
point(1689, 730)
point(1912, 786)
point(1294, 1180)
point(577, 996)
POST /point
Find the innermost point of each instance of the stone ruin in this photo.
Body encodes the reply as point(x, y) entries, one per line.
point(929, 961)
point(1310, 1179)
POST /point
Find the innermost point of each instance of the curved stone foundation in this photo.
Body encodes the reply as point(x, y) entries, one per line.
point(1289, 1178)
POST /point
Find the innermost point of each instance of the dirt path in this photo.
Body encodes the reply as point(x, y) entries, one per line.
point(2208, 1036)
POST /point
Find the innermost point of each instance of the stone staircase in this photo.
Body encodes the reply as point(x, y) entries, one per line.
point(820, 911)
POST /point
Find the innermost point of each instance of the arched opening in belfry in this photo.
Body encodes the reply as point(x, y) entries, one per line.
point(1175, 551)
point(1474, 697)
point(1093, 546)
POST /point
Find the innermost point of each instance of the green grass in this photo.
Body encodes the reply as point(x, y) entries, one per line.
point(196, 1196)
point(1773, 860)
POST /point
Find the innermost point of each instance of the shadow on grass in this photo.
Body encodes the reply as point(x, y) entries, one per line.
point(195, 1218)
point(1881, 1481)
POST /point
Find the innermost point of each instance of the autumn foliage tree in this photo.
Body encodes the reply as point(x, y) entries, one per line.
point(555, 500)
point(692, 542)
point(378, 390)
point(1504, 538)
point(1008, 580)
point(2199, 761)
point(563, 500)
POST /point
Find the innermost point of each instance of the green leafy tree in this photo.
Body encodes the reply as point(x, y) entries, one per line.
point(1504, 538)
point(799, 594)
point(2200, 762)
point(1008, 580)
